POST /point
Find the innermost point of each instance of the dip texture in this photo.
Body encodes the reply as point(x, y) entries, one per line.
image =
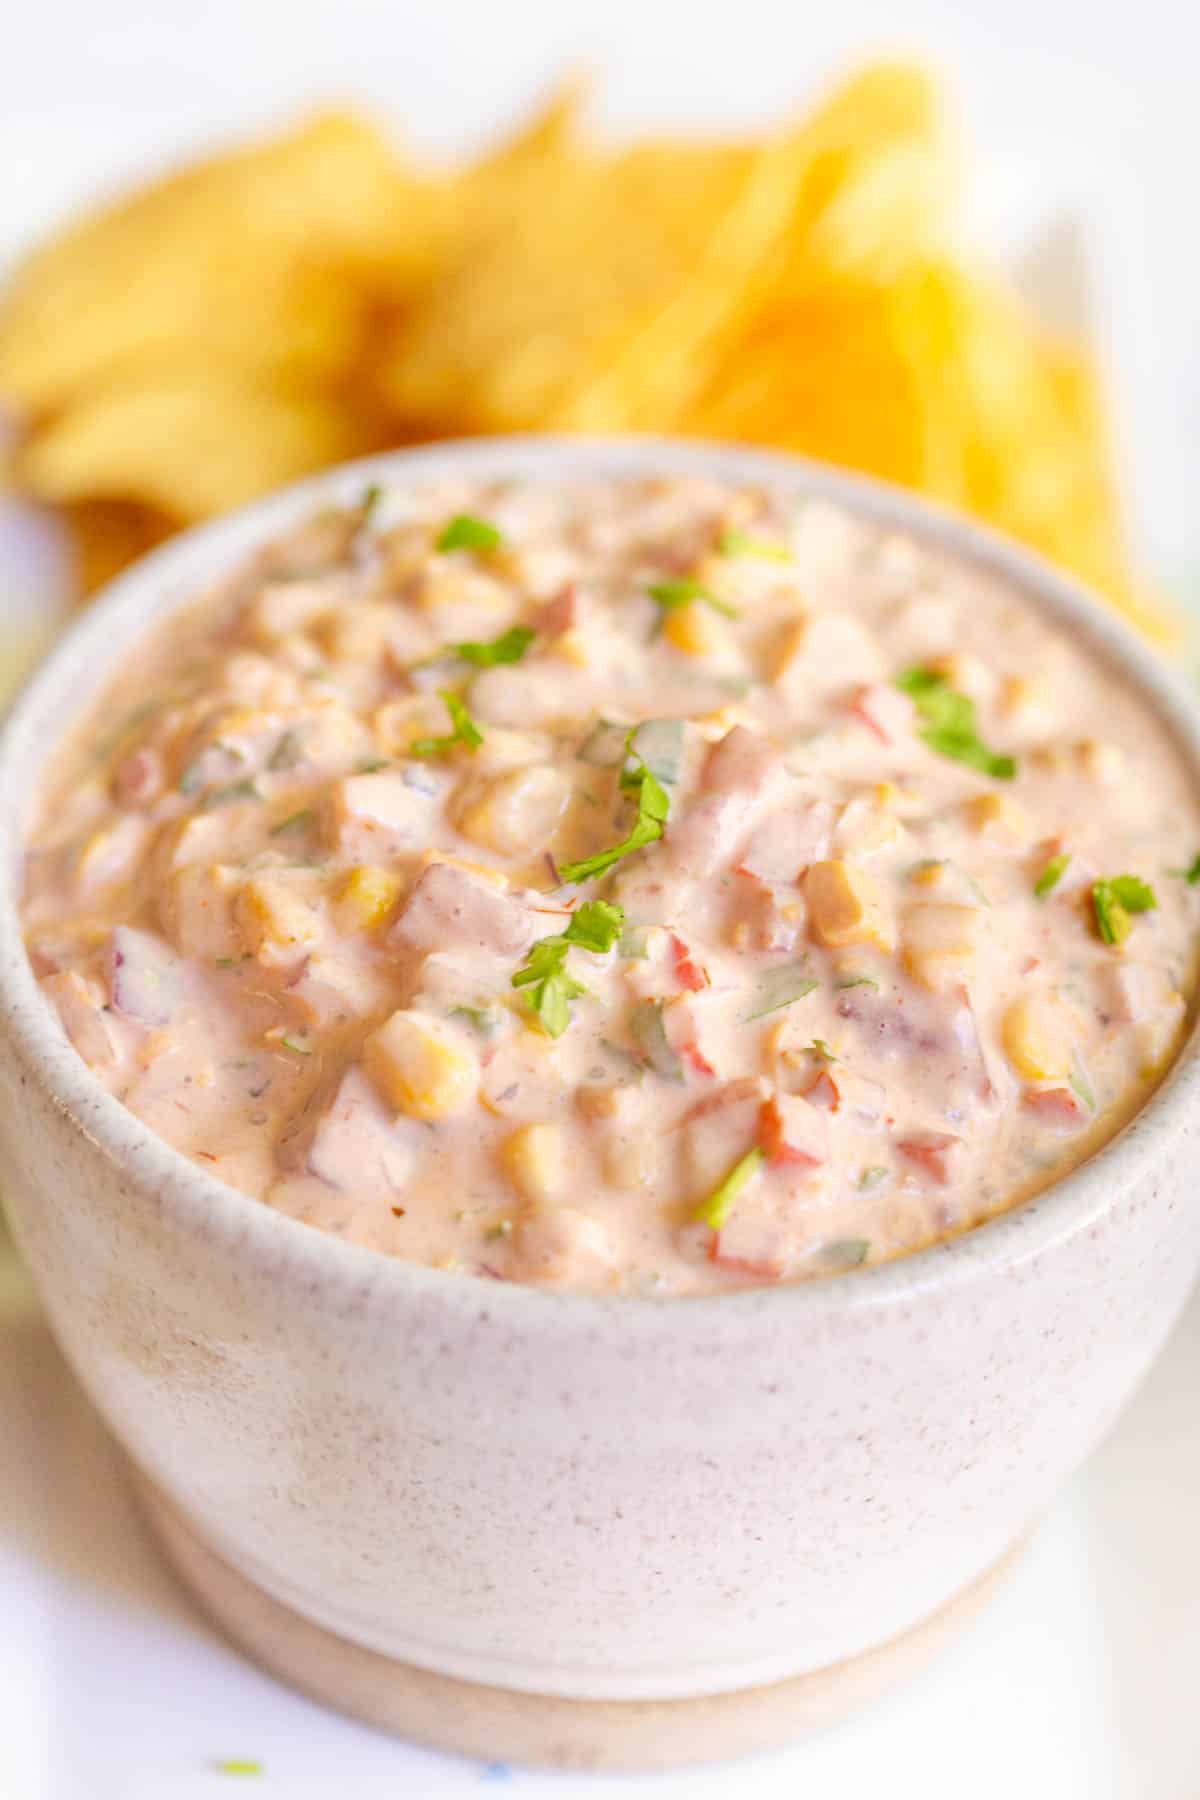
point(644, 886)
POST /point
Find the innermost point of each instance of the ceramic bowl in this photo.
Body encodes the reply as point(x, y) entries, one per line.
point(560, 1526)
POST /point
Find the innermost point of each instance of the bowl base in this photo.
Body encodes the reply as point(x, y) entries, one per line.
point(498, 1725)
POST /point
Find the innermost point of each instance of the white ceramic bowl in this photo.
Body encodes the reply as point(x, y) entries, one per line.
point(605, 1500)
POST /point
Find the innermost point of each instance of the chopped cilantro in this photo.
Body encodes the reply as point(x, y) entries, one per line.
point(465, 731)
point(371, 766)
point(229, 796)
point(669, 596)
point(1051, 875)
point(486, 1020)
point(1190, 875)
point(741, 543)
point(286, 754)
point(1113, 902)
point(821, 1050)
point(844, 1253)
point(297, 1044)
point(779, 988)
point(465, 532)
point(653, 805)
point(595, 927)
point(509, 647)
point(853, 981)
point(1081, 1087)
point(949, 724)
point(714, 1211)
point(297, 821)
point(648, 1030)
point(873, 1176)
point(369, 503)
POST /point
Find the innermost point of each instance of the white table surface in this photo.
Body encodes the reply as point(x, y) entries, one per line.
point(1079, 1682)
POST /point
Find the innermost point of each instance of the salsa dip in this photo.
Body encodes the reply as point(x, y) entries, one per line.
point(640, 885)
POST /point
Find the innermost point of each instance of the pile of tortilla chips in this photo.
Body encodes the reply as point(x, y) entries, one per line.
point(271, 311)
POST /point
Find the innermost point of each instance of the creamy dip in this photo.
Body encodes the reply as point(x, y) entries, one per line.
point(646, 886)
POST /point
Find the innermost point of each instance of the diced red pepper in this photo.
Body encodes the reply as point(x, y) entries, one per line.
point(1057, 1106)
point(884, 710)
point(934, 1152)
point(688, 972)
point(824, 1092)
point(792, 1131)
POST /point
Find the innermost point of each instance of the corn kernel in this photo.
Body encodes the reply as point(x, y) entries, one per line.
point(932, 874)
point(453, 586)
point(535, 1161)
point(1038, 1034)
point(517, 812)
point(276, 924)
point(1101, 761)
point(494, 877)
point(421, 1066)
point(367, 896)
point(696, 630)
point(939, 943)
point(575, 646)
point(788, 648)
point(1022, 701)
point(356, 633)
point(846, 907)
point(998, 816)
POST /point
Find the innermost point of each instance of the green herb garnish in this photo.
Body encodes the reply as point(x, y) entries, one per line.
point(873, 1176)
point(714, 1211)
point(1115, 900)
point(669, 596)
point(648, 1030)
point(853, 981)
point(595, 927)
point(1191, 875)
point(653, 805)
point(229, 796)
point(297, 1044)
point(368, 504)
point(949, 723)
point(1051, 875)
point(465, 532)
point(287, 752)
point(485, 1020)
point(821, 1050)
point(509, 647)
point(297, 821)
point(465, 731)
point(844, 1253)
point(741, 543)
point(779, 988)
point(1080, 1086)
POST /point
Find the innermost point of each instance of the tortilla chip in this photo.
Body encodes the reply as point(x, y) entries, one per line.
point(186, 445)
point(258, 256)
point(108, 535)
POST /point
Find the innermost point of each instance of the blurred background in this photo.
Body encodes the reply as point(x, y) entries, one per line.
point(953, 243)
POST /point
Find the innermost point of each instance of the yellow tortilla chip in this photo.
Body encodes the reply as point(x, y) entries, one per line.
point(187, 445)
point(259, 256)
point(107, 535)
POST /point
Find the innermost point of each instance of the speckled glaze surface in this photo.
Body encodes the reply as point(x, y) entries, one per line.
point(609, 1499)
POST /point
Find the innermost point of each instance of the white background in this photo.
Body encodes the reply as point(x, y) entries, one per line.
point(1080, 1683)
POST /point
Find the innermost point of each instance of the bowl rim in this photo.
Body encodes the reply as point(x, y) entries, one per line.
point(84, 659)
